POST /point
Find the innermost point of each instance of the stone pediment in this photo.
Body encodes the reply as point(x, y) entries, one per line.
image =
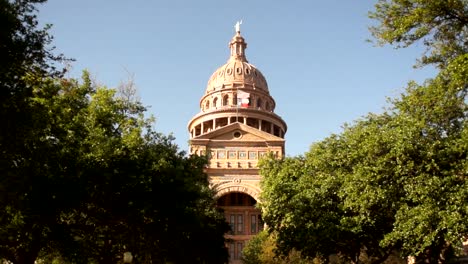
point(227, 133)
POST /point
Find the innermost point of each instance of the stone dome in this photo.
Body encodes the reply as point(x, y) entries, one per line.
point(237, 70)
point(237, 92)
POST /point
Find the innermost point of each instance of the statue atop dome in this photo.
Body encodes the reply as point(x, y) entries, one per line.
point(237, 26)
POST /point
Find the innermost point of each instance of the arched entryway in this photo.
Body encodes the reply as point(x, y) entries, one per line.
point(243, 217)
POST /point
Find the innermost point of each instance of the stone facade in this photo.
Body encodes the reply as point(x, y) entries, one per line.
point(237, 126)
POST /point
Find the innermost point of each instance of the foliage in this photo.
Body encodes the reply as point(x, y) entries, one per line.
point(393, 181)
point(253, 249)
point(261, 249)
point(23, 50)
point(442, 25)
point(83, 175)
point(432, 119)
point(103, 182)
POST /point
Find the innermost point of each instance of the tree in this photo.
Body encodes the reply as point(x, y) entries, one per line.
point(83, 175)
point(313, 204)
point(24, 52)
point(393, 181)
point(432, 217)
point(261, 249)
point(24, 49)
point(102, 183)
point(441, 25)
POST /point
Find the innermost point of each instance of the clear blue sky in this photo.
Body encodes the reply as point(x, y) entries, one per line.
point(319, 67)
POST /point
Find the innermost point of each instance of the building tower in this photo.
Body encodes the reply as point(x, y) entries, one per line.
point(235, 127)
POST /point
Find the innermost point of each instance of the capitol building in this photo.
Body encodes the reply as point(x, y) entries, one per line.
point(235, 127)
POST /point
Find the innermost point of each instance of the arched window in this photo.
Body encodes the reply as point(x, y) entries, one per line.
point(234, 99)
point(259, 103)
point(215, 102)
point(267, 106)
point(225, 99)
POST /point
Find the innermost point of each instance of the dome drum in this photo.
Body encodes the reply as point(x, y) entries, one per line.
point(205, 123)
point(228, 98)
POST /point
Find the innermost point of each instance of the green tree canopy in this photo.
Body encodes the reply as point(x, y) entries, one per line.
point(261, 249)
point(395, 181)
point(392, 181)
point(23, 51)
point(83, 173)
point(441, 25)
point(102, 182)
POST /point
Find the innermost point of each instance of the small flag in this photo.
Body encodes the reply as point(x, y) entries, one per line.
point(243, 99)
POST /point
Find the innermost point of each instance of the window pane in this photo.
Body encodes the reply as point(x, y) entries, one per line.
point(240, 224)
point(260, 223)
point(232, 251)
point(232, 223)
point(240, 246)
point(253, 224)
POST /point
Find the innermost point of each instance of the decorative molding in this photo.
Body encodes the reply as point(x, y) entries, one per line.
point(226, 187)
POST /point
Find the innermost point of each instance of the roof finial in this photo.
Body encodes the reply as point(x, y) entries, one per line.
point(237, 26)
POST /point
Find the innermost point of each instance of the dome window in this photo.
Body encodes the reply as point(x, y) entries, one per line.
point(207, 105)
point(229, 71)
point(239, 70)
point(247, 71)
point(225, 100)
point(215, 102)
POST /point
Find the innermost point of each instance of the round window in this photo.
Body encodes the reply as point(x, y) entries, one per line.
point(237, 134)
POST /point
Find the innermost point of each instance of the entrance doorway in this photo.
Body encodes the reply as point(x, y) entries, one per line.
point(244, 219)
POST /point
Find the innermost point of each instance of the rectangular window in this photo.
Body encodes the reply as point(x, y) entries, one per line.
point(221, 154)
point(240, 224)
point(242, 155)
point(232, 223)
point(252, 155)
point(232, 154)
point(253, 224)
point(240, 246)
point(232, 250)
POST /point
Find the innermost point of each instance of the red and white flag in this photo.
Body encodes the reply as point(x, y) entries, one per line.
point(243, 99)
